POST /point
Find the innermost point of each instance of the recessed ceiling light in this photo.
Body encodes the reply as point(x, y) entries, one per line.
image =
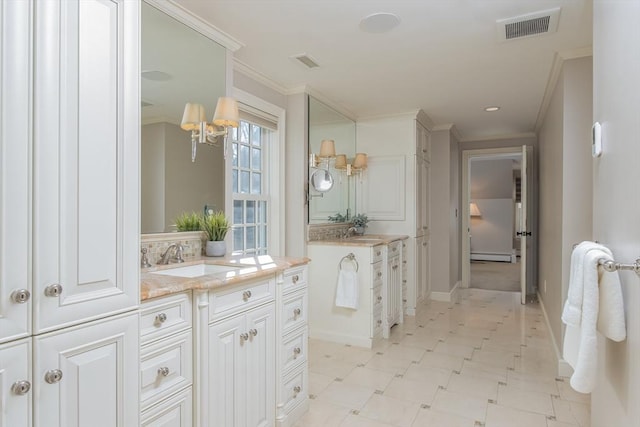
point(491, 109)
point(379, 22)
point(156, 76)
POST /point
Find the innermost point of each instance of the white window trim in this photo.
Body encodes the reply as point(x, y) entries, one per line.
point(276, 182)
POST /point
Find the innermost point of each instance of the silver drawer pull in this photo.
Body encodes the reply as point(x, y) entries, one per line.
point(246, 295)
point(296, 351)
point(378, 253)
point(253, 332)
point(244, 337)
point(21, 387)
point(379, 322)
point(20, 296)
point(163, 371)
point(53, 290)
point(297, 312)
point(295, 279)
point(53, 376)
point(379, 298)
point(297, 389)
point(379, 273)
point(161, 318)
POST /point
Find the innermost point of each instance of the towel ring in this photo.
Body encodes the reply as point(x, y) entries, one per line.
point(349, 257)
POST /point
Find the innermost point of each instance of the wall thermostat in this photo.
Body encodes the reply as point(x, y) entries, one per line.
point(596, 140)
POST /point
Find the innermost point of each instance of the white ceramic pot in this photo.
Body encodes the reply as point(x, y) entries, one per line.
point(217, 248)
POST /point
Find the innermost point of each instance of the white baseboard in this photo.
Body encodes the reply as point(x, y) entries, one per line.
point(564, 369)
point(451, 296)
point(341, 338)
point(478, 256)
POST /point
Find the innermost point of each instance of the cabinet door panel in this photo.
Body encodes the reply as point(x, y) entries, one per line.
point(85, 160)
point(15, 365)
point(260, 349)
point(99, 366)
point(15, 166)
point(227, 375)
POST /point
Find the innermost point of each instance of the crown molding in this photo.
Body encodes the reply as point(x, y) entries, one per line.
point(554, 75)
point(254, 74)
point(451, 128)
point(501, 137)
point(328, 102)
point(192, 20)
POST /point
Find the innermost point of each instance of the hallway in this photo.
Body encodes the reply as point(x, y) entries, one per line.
point(484, 361)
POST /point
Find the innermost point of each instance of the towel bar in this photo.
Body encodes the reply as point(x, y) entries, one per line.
point(615, 266)
point(350, 257)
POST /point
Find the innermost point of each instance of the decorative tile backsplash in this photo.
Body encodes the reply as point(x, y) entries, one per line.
point(157, 244)
point(327, 231)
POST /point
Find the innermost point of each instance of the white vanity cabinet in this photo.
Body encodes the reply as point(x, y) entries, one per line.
point(292, 388)
point(392, 296)
point(240, 356)
point(361, 326)
point(69, 274)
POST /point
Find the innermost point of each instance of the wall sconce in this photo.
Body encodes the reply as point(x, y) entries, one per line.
point(194, 120)
point(474, 211)
point(359, 164)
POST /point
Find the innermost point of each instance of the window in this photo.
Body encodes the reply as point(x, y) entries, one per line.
point(249, 146)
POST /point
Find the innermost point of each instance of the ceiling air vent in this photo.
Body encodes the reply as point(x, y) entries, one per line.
point(528, 25)
point(306, 60)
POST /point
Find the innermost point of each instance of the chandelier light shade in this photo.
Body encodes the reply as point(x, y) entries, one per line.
point(226, 113)
point(193, 115)
point(474, 210)
point(341, 161)
point(327, 148)
point(360, 162)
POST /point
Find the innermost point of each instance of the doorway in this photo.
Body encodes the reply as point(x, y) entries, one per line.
point(497, 214)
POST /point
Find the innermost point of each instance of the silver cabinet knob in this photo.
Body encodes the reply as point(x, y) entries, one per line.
point(253, 332)
point(21, 387)
point(161, 318)
point(379, 298)
point(379, 273)
point(297, 351)
point(246, 295)
point(295, 279)
point(244, 337)
point(297, 312)
point(164, 371)
point(297, 389)
point(378, 253)
point(379, 322)
point(20, 296)
point(53, 290)
point(53, 376)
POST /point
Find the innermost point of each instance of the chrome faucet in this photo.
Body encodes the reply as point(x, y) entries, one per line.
point(349, 232)
point(166, 257)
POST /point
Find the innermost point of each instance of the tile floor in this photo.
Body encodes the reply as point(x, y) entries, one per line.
point(483, 361)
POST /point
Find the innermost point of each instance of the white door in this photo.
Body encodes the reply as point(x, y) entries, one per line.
point(616, 104)
point(88, 375)
point(227, 375)
point(523, 233)
point(15, 168)
point(260, 401)
point(16, 394)
point(86, 143)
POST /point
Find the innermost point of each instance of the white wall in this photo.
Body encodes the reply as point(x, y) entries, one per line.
point(152, 178)
point(616, 399)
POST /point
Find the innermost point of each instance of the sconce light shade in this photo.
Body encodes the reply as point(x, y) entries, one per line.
point(193, 115)
point(473, 210)
point(360, 162)
point(327, 148)
point(341, 161)
point(226, 112)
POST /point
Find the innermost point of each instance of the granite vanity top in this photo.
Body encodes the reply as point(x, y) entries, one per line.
point(251, 267)
point(364, 240)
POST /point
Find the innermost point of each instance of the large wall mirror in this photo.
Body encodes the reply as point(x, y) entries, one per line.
point(179, 65)
point(331, 192)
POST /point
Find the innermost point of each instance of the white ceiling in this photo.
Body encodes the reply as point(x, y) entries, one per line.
point(444, 57)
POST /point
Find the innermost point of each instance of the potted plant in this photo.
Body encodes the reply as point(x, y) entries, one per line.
point(215, 226)
point(188, 221)
point(360, 221)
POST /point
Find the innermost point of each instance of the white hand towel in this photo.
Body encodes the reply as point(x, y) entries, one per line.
point(580, 347)
point(347, 289)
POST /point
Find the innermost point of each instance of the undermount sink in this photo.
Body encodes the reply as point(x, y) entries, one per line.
point(197, 270)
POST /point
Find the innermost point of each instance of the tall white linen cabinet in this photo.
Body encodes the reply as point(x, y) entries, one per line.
point(69, 155)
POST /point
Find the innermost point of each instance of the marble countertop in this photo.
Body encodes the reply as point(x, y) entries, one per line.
point(364, 240)
point(250, 267)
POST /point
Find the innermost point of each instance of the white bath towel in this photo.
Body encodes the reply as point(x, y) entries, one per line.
point(580, 347)
point(347, 289)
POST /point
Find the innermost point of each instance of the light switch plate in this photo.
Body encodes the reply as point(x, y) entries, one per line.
point(596, 140)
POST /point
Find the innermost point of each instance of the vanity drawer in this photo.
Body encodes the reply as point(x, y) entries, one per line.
point(176, 411)
point(226, 302)
point(294, 350)
point(376, 254)
point(394, 248)
point(376, 323)
point(295, 389)
point(294, 311)
point(376, 274)
point(294, 278)
point(164, 316)
point(376, 298)
point(165, 367)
